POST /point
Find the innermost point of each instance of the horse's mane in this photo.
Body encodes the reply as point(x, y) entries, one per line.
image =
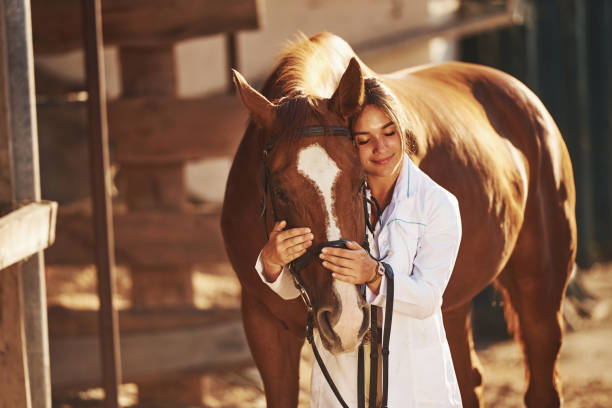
point(312, 66)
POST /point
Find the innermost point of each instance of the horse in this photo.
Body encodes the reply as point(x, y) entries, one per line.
point(479, 133)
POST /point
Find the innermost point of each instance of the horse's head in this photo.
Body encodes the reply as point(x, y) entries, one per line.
point(314, 179)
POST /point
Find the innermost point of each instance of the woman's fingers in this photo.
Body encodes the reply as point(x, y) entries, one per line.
point(340, 252)
point(296, 241)
point(337, 268)
point(292, 233)
point(336, 260)
point(279, 226)
point(345, 278)
point(352, 245)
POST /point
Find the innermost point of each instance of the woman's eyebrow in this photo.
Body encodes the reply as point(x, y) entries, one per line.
point(388, 124)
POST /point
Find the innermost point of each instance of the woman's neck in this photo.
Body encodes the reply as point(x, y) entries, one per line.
point(382, 190)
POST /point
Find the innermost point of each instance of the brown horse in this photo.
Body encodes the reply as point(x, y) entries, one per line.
point(476, 131)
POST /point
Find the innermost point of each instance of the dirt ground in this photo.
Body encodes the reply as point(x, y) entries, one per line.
point(586, 354)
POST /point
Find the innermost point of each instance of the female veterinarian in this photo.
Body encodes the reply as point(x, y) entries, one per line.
point(417, 232)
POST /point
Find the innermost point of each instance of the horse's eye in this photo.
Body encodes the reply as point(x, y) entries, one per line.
point(281, 196)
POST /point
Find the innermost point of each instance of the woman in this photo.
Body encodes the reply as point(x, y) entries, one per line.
point(417, 232)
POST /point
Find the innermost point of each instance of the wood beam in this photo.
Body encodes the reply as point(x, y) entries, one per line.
point(26, 231)
point(148, 239)
point(153, 130)
point(57, 23)
point(153, 355)
point(14, 382)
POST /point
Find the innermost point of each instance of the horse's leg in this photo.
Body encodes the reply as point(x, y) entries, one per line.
point(534, 281)
point(467, 367)
point(276, 352)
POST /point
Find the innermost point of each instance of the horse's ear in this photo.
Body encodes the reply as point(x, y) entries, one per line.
point(349, 96)
point(262, 110)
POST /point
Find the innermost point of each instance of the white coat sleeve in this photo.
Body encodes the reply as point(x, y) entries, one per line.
point(283, 285)
point(420, 282)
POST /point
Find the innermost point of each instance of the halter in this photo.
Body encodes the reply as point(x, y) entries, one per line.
point(298, 264)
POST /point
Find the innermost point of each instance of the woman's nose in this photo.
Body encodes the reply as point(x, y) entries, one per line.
point(379, 145)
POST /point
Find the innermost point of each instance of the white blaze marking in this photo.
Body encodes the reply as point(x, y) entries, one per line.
point(315, 164)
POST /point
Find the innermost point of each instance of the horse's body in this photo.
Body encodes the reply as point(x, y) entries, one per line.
point(487, 139)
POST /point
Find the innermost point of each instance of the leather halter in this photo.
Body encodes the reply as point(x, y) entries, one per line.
point(298, 264)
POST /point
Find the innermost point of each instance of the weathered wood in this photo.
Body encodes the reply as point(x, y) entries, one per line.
point(149, 130)
point(155, 286)
point(153, 355)
point(101, 185)
point(160, 187)
point(142, 238)
point(66, 322)
point(456, 27)
point(14, 383)
point(57, 23)
point(148, 71)
point(26, 231)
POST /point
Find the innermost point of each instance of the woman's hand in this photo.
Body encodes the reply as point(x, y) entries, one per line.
point(283, 247)
point(352, 265)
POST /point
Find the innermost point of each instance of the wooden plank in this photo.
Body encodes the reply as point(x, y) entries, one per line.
point(148, 71)
point(146, 130)
point(14, 383)
point(151, 355)
point(26, 231)
point(57, 23)
point(457, 27)
point(66, 322)
point(142, 238)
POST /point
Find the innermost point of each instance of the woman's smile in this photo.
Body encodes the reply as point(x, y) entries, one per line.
point(384, 160)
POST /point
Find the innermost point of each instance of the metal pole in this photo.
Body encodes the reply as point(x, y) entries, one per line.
point(26, 187)
point(102, 207)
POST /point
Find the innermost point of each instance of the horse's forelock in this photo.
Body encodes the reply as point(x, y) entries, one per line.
point(313, 65)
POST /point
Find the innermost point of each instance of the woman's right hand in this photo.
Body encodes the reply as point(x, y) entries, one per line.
point(282, 247)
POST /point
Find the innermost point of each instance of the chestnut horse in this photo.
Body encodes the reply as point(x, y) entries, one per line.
point(476, 131)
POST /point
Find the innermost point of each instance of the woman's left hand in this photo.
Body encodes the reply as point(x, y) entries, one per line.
point(352, 265)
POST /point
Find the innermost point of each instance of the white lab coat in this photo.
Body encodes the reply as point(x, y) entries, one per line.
point(418, 235)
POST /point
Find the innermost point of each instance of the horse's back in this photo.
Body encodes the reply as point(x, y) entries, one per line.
point(485, 137)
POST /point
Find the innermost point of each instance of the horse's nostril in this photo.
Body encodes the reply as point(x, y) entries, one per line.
point(325, 317)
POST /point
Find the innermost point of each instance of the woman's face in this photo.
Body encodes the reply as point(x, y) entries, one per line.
point(378, 142)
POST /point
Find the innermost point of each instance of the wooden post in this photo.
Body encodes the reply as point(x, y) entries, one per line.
point(146, 72)
point(102, 207)
point(14, 384)
point(231, 53)
point(18, 76)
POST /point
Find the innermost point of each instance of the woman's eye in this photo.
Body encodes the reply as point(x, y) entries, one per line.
point(390, 133)
point(362, 142)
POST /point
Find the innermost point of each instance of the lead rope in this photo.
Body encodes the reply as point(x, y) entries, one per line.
point(374, 333)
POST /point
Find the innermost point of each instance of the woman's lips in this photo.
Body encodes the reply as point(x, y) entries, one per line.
point(383, 161)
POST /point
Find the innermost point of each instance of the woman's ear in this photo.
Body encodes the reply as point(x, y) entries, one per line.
point(349, 96)
point(262, 110)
